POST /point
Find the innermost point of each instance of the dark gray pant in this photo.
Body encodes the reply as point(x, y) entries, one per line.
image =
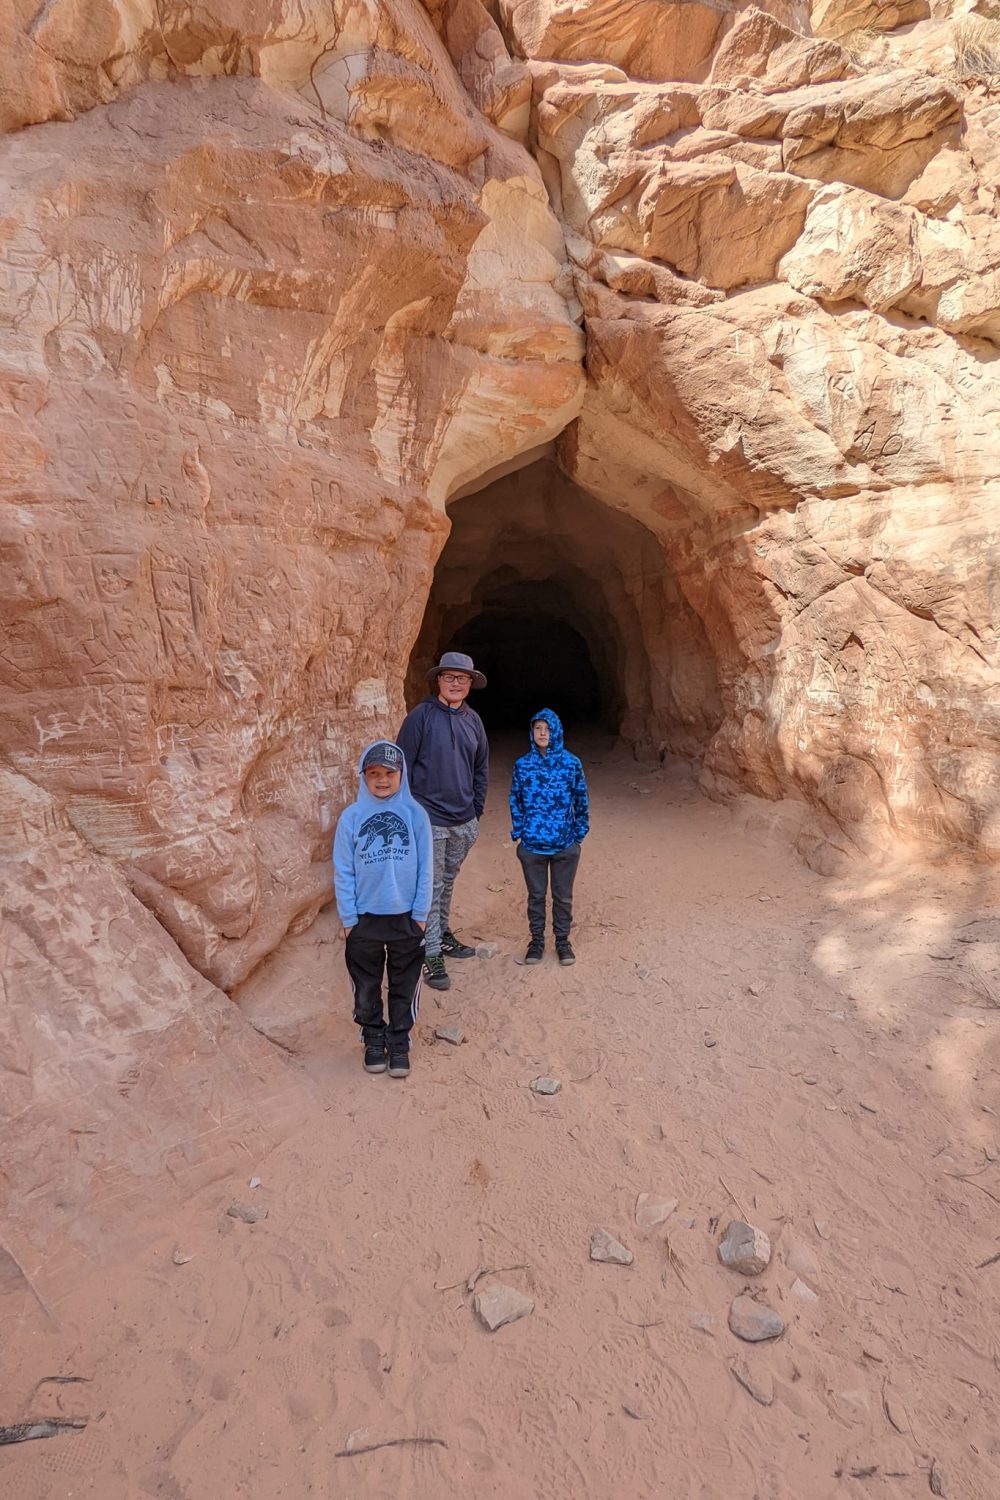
point(537, 870)
point(376, 944)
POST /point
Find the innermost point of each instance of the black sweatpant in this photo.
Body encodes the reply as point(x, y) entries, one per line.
point(537, 870)
point(375, 944)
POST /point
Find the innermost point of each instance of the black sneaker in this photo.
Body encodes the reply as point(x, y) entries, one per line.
point(536, 949)
point(375, 1057)
point(452, 947)
point(399, 1062)
point(564, 952)
point(436, 974)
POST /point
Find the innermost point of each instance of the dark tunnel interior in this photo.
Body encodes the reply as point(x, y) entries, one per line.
point(532, 659)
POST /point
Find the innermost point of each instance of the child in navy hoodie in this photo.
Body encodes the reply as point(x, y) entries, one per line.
point(550, 818)
point(383, 870)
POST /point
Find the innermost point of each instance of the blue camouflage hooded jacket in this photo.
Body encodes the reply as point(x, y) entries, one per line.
point(549, 808)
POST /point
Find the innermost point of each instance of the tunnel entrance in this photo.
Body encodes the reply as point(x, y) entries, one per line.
point(566, 603)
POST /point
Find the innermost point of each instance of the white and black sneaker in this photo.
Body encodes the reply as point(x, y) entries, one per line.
point(374, 1057)
point(435, 973)
point(399, 1062)
point(453, 947)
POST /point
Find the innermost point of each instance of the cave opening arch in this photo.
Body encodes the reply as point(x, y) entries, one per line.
point(567, 603)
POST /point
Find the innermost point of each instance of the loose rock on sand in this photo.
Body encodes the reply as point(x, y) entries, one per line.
point(745, 1248)
point(500, 1304)
point(754, 1322)
point(604, 1247)
point(757, 1382)
point(250, 1213)
point(545, 1085)
point(651, 1210)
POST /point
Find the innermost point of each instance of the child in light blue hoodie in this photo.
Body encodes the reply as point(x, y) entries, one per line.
point(383, 872)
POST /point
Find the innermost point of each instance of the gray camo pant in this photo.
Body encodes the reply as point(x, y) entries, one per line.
point(451, 845)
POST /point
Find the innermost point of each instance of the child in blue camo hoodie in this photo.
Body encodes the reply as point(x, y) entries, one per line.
point(550, 818)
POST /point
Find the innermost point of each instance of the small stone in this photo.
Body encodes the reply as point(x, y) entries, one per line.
point(651, 1210)
point(754, 1321)
point(809, 1078)
point(805, 1293)
point(500, 1304)
point(633, 1412)
point(936, 1479)
point(453, 1034)
point(822, 1228)
point(180, 1259)
point(744, 1248)
point(545, 1085)
point(487, 950)
point(710, 1041)
point(642, 972)
point(703, 1322)
point(756, 988)
point(250, 1213)
point(254, 1182)
point(757, 1382)
point(871, 1108)
point(665, 1130)
point(605, 1247)
point(801, 1260)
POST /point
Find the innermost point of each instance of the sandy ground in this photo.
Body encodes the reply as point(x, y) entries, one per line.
point(736, 1029)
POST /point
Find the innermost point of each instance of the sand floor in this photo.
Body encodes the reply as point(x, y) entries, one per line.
point(736, 1030)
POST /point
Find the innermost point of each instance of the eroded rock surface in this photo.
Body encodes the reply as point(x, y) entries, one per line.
point(787, 272)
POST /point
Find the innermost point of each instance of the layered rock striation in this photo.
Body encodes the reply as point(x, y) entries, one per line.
point(786, 269)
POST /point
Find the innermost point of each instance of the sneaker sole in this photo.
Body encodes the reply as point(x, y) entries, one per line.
point(399, 1072)
point(438, 984)
point(375, 1067)
point(567, 961)
point(532, 960)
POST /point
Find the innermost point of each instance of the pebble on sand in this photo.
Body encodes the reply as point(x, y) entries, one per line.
point(487, 950)
point(545, 1085)
point(800, 1258)
point(745, 1248)
point(250, 1213)
point(604, 1247)
point(651, 1210)
point(754, 1322)
point(803, 1292)
point(757, 1382)
point(500, 1304)
point(453, 1034)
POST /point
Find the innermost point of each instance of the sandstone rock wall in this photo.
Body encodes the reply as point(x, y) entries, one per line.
point(255, 332)
point(787, 274)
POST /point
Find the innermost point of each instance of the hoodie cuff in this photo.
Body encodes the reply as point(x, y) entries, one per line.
point(348, 919)
point(420, 916)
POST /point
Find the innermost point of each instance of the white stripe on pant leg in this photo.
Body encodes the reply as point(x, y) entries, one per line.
point(415, 1002)
point(354, 992)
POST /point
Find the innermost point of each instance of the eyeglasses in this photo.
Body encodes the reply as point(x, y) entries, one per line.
point(457, 679)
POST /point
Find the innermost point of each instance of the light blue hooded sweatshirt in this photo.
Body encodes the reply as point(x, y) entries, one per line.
point(383, 853)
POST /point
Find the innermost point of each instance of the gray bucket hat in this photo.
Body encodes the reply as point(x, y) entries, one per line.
point(455, 661)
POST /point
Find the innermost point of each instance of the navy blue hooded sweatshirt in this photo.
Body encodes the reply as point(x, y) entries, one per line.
point(549, 807)
point(448, 759)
